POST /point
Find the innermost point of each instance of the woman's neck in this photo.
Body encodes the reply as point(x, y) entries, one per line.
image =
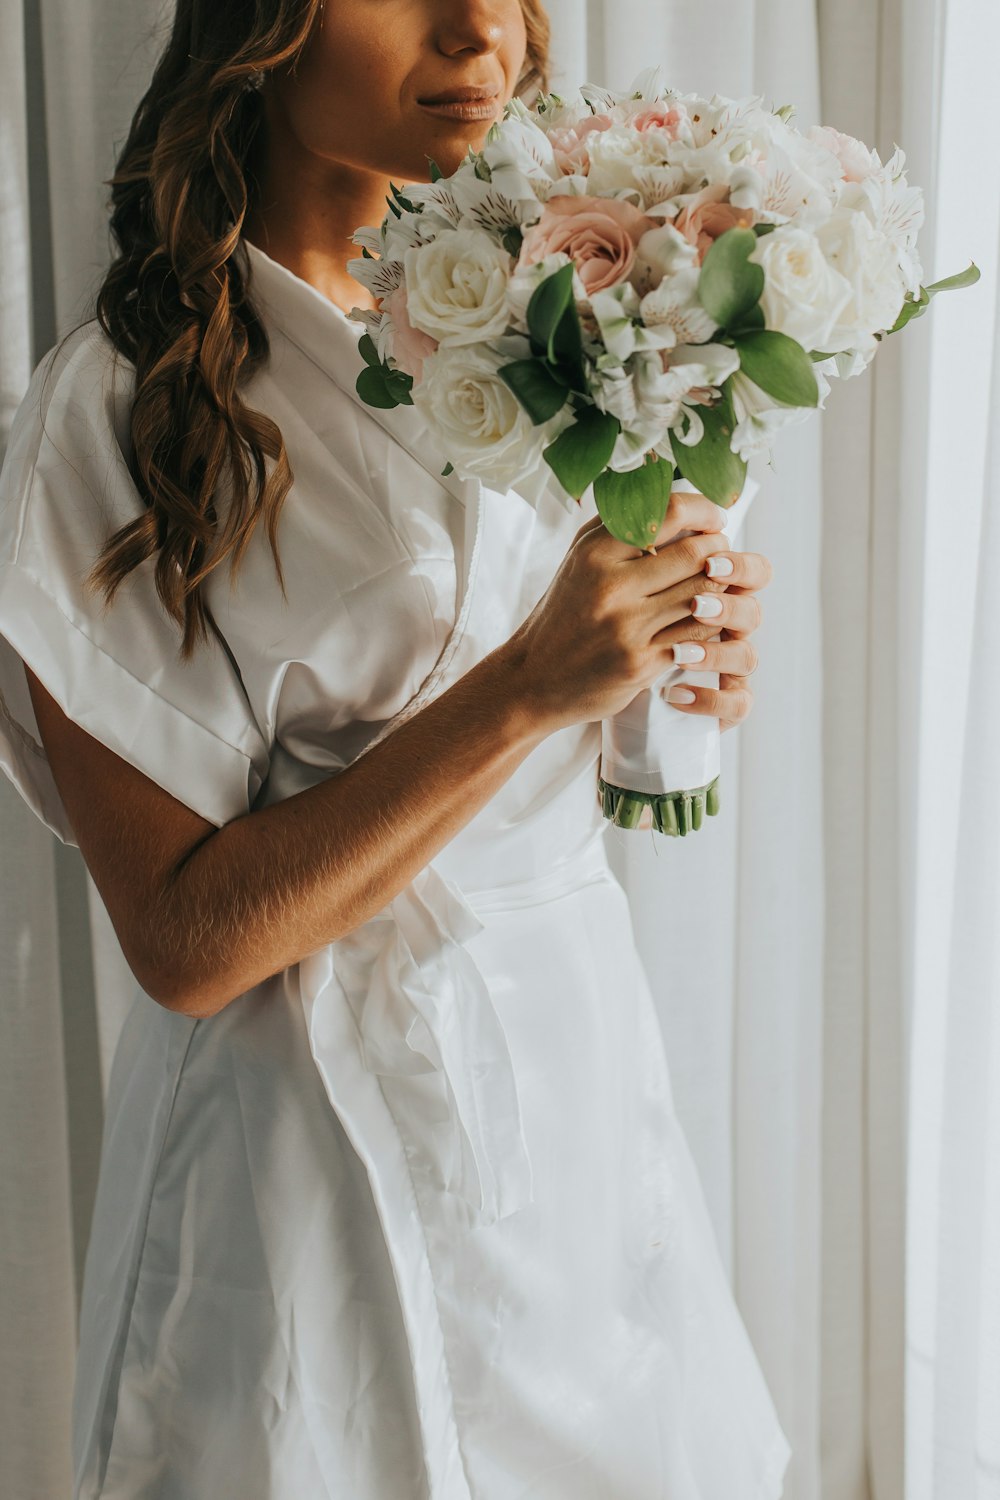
point(305, 212)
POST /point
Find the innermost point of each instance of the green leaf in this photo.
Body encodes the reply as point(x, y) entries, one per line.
point(729, 284)
point(368, 351)
point(750, 322)
point(548, 303)
point(538, 391)
point(760, 229)
point(448, 469)
point(372, 389)
point(580, 452)
point(632, 505)
point(511, 240)
point(403, 202)
point(398, 385)
point(968, 277)
point(436, 172)
point(779, 365)
point(711, 465)
point(915, 307)
point(817, 354)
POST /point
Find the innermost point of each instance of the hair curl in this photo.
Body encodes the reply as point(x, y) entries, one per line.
point(175, 303)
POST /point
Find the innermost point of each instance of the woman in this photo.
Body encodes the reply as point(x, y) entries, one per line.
point(393, 1199)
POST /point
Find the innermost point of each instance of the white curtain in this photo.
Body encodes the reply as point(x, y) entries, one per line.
point(823, 953)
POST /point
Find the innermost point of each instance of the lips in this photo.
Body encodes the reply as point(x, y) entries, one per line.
point(471, 95)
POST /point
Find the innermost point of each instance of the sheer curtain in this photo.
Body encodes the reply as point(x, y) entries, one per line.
point(823, 953)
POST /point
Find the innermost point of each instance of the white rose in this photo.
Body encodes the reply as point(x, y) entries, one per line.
point(867, 260)
point(803, 294)
point(615, 156)
point(483, 428)
point(457, 287)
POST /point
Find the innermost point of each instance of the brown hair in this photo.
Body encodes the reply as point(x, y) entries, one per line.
point(175, 303)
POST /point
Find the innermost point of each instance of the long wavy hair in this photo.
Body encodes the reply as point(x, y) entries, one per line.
point(175, 301)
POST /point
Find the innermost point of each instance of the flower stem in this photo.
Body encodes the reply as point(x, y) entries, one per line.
point(674, 813)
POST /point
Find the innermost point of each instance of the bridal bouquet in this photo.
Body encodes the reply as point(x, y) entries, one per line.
point(638, 290)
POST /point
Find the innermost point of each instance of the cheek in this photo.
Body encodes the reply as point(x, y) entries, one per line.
point(347, 82)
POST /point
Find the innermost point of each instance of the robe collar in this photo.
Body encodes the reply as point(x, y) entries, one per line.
point(329, 338)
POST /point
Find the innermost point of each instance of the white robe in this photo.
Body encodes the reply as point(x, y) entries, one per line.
point(413, 1219)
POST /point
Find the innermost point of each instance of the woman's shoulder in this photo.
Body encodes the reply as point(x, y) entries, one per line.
point(78, 397)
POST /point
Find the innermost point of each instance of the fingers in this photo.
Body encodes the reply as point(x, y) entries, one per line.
point(750, 570)
point(730, 702)
point(737, 657)
point(685, 512)
point(674, 618)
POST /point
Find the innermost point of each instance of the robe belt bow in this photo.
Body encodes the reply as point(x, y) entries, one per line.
point(422, 1007)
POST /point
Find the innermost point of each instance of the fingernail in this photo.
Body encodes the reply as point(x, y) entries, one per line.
point(718, 567)
point(706, 605)
point(680, 695)
point(689, 651)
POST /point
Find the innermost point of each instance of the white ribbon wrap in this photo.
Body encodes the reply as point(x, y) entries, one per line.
point(651, 746)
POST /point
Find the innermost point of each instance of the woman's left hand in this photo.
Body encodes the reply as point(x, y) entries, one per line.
point(733, 655)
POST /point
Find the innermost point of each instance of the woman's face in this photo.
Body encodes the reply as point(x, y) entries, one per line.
point(355, 93)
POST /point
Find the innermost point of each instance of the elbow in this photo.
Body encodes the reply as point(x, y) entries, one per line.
point(173, 987)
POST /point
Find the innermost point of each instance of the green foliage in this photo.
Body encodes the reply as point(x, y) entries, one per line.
point(632, 505)
point(377, 384)
point(581, 451)
point(730, 284)
point(779, 365)
point(711, 465)
point(915, 307)
point(537, 389)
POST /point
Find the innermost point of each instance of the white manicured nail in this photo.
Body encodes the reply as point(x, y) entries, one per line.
point(689, 651)
point(707, 605)
point(718, 567)
point(680, 695)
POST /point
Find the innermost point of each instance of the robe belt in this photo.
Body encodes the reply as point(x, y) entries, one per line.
point(422, 1006)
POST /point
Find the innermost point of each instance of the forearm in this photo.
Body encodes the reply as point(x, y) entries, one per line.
point(278, 883)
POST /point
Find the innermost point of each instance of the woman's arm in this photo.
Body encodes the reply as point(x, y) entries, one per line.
point(204, 913)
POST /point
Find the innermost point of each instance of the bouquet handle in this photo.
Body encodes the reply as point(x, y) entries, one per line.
point(659, 765)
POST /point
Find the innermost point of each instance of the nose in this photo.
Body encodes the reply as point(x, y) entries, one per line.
point(476, 25)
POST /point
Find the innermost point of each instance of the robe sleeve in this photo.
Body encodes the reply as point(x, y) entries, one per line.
point(114, 670)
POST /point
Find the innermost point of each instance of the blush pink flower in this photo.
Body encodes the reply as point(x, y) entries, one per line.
point(708, 215)
point(599, 234)
point(658, 117)
point(857, 162)
point(569, 145)
point(410, 346)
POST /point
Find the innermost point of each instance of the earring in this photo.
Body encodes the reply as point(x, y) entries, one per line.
point(255, 80)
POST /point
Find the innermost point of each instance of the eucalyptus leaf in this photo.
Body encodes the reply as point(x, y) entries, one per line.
point(369, 353)
point(372, 389)
point(538, 391)
point(729, 284)
point(632, 505)
point(581, 451)
point(779, 365)
point(711, 465)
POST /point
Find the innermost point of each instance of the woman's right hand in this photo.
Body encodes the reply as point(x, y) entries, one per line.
point(605, 626)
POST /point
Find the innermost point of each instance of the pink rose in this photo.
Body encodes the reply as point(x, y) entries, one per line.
point(856, 161)
point(410, 346)
point(599, 234)
point(569, 145)
point(708, 215)
point(658, 117)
